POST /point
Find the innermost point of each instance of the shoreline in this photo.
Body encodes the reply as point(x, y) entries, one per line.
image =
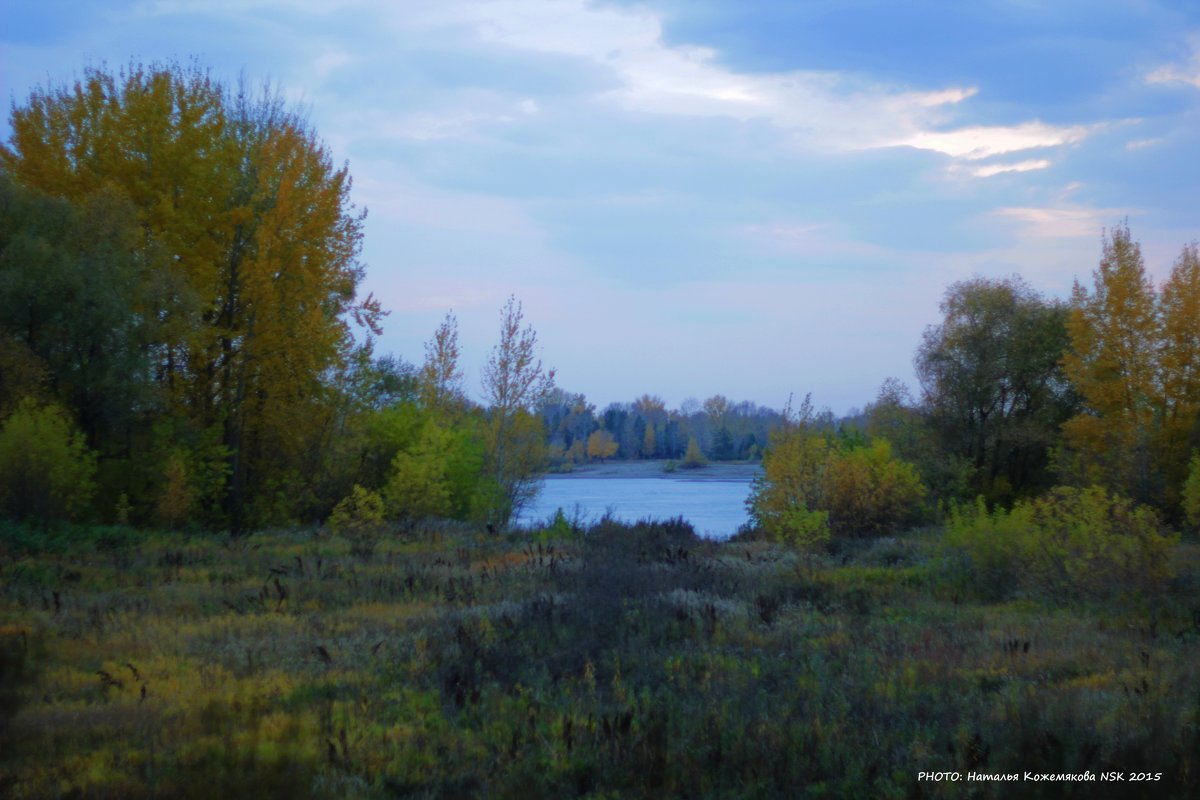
point(736, 472)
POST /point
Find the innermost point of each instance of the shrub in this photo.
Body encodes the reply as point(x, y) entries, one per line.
point(358, 517)
point(46, 470)
point(694, 457)
point(1070, 543)
point(868, 492)
point(1191, 494)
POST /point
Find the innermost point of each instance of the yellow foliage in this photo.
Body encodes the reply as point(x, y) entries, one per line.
point(601, 445)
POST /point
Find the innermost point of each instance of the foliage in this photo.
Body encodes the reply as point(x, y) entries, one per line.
point(601, 445)
point(1179, 370)
point(230, 266)
point(1112, 364)
point(992, 382)
point(1191, 493)
point(810, 480)
point(694, 457)
point(46, 471)
point(440, 475)
point(359, 515)
point(868, 492)
point(895, 416)
point(787, 500)
point(1069, 544)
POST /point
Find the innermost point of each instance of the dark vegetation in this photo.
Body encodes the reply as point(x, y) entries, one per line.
point(631, 661)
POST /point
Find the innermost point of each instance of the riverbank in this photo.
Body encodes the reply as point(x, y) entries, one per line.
point(722, 471)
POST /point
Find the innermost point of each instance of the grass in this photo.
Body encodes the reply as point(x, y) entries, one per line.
point(624, 661)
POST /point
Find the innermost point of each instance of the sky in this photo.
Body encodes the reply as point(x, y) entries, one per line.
point(755, 199)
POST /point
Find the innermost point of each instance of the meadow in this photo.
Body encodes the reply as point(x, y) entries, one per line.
point(612, 661)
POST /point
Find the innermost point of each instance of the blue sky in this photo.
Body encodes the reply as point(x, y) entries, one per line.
point(694, 197)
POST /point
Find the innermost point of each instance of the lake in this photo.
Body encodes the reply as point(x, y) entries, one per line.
point(712, 499)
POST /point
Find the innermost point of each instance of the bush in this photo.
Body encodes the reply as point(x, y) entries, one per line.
point(359, 518)
point(1071, 543)
point(694, 457)
point(868, 492)
point(1191, 494)
point(46, 470)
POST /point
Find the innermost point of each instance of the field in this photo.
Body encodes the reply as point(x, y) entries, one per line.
point(621, 661)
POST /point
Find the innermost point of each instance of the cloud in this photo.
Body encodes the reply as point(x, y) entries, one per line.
point(1139, 144)
point(1020, 166)
point(820, 110)
point(1066, 222)
point(1188, 72)
point(986, 141)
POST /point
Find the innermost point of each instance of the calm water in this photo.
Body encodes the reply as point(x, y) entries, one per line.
point(716, 508)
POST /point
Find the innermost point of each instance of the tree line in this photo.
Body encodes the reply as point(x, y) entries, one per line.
point(182, 336)
point(183, 341)
point(1022, 397)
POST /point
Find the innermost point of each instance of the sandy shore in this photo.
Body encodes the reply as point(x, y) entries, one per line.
point(654, 469)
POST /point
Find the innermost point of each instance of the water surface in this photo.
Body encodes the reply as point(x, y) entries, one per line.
point(713, 499)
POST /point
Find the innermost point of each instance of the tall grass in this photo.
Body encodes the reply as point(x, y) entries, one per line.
point(619, 661)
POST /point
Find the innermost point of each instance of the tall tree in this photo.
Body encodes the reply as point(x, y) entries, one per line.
point(250, 243)
point(1179, 368)
point(992, 383)
point(441, 377)
point(514, 385)
point(1114, 334)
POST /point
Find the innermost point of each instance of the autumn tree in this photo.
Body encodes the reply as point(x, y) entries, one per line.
point(249, 245)
point(787, 500)
point(441, 376)
point(1115, 338)
point(601, 445)
point(1179, 372)
point(514, 385)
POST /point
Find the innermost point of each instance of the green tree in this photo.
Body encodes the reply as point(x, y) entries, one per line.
point(992, 382)
point(47, 471)
point(72, 300)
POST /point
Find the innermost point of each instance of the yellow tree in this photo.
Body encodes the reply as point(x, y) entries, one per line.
point(1115, 335)
point(251, 242)
point(1179, 363)
point(601, 445)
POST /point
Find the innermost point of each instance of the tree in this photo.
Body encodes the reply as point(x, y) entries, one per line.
point(787, 500)
point(441, 377)
point(514, 385)
point(1114, 336)
point(248, 243)
point(601, 445)
point(896, 418)
point(1179, 369)
point(72, 293)
point(992, 382)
